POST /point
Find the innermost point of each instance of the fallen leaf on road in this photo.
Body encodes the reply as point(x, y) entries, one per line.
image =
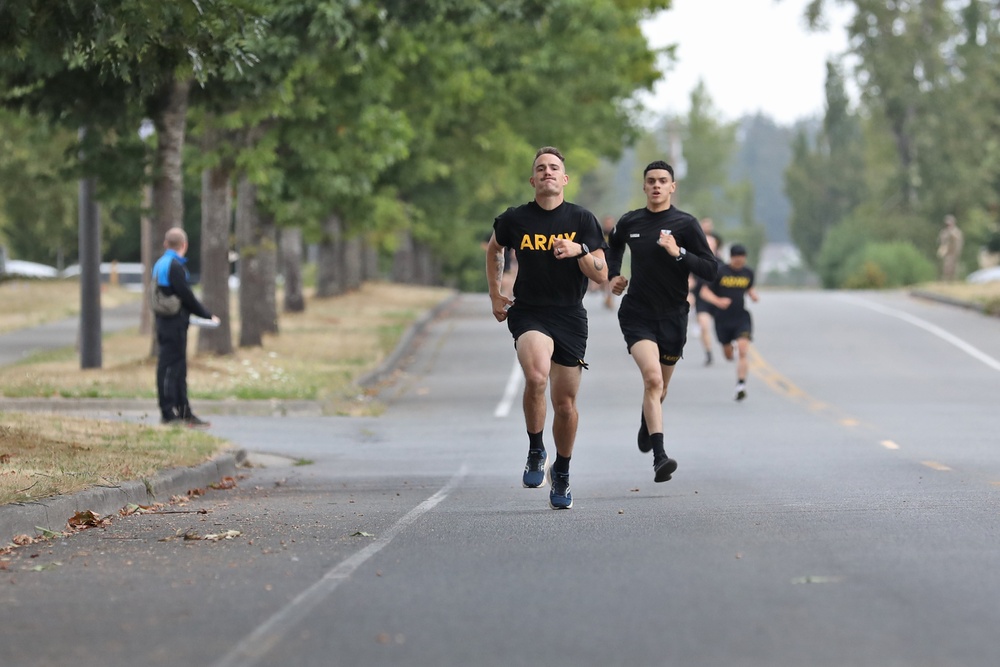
point(361, 533)
point(47, 566)
point(228, 535)
point(224, 483)
point(23, 540)
point(86, 518)
point(47, 534)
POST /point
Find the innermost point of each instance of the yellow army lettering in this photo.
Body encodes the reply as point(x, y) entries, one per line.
point(542, 242)
point(741, 282)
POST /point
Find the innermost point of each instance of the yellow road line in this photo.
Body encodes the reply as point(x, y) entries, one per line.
point(934, 465)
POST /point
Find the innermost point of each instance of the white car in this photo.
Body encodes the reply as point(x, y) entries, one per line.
point(988, 275)
point(19, 267)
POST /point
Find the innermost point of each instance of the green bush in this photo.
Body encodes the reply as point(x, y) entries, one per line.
point(902, 262)
point(892, 264)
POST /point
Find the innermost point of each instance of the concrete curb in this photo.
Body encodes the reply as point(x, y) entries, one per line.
point(941, 298)
point(53, 513)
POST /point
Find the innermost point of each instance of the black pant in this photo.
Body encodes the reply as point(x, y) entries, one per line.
point(171, 366)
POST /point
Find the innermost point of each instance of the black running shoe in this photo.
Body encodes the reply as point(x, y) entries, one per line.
point(663, 468)
point(191, 421)
point(643, 438)
point(534, 469)
point(741, 391)
point(708, 358)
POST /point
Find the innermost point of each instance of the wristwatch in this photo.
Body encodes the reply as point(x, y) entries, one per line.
point(681, 254)
point(584, 250)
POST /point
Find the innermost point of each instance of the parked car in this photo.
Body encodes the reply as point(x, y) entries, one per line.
point(23, 269)
point(987, 275)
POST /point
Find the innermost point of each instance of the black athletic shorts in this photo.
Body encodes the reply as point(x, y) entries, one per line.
point(668, 332)
point(702, 306)
point(565, 325)
point(730, 327)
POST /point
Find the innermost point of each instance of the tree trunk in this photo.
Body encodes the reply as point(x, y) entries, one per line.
point(291, 260)
point(404, 261)
point(268, 242)
point(353, 263)
point(147, 258)
point(371, 264)
point(256, 317)
point(216, 215)
point(330, 259)
point(170, 119)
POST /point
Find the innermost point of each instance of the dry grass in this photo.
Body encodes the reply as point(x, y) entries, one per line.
point(986, 294)
point(29, 303)
point(42, 456)
point(318, 355)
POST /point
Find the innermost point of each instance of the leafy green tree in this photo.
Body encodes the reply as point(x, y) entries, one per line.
point(38, 200)
point(826, 180)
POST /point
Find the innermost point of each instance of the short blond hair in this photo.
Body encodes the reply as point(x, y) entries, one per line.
point(175, 238)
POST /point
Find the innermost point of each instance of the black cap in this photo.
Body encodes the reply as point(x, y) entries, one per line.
point(737, 249)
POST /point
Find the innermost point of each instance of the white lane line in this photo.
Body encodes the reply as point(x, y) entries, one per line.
point(510, 392)
point(973, 352)
point(258, 643)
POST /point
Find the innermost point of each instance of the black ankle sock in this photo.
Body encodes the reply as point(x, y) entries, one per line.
point(535, 441)
point(656, 440)
point(561, 464)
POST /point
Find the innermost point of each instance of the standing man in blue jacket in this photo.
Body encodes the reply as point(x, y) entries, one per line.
point(171, 279)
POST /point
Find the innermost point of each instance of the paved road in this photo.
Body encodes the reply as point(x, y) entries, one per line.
point(845, 514)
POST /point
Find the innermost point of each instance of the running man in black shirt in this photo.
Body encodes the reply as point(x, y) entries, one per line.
point(666, 245)
point(732, 319)
point(704, 310)
point(559, 247)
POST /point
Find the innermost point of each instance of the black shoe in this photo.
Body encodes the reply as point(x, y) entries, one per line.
point(708, 358)
point(663, 468)
point(191, 421)
point(643, 438)
point(741, 391)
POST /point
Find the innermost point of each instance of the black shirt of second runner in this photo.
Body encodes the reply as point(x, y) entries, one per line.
point(659, 286)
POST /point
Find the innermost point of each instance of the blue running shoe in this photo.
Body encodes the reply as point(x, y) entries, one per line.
point(534, 469)
point(560, 497)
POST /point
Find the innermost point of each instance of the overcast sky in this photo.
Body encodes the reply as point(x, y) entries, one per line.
point(753, 55)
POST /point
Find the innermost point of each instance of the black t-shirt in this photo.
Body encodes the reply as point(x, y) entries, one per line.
point(733, 284)
point(659, 282)
point(543, 280)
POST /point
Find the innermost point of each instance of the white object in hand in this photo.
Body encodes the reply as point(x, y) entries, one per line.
point(203, 322)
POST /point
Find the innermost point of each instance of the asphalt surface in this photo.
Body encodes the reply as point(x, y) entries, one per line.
point(844, 514)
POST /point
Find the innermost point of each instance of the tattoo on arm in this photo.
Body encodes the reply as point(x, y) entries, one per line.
point(498, 267)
